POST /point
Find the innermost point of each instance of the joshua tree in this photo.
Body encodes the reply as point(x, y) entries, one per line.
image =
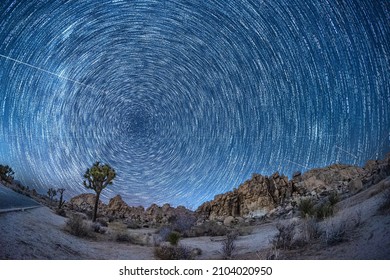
point(6, 173)
point(51, 193)
point(98, 177)
point(61, 202)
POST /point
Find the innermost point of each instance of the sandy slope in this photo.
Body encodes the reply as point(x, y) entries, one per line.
point(38, 234)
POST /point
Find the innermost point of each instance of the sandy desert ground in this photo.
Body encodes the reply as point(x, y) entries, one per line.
point(39, 234)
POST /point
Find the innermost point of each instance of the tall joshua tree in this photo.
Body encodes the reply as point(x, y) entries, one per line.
point(97, 178)
point(62, 201)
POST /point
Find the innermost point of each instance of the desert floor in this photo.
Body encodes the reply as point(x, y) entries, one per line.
point(39, 234)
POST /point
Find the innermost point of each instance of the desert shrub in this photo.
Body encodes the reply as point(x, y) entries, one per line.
point(166, 252)
point(76, 226)
point(333, 198)
point(173, 238)
point(335, 233)
point(271, 253)
point(229, 246)
point(123, 236)
point(284, 238)
point(310, 230)
point(209, 228)
point(182, 223)
point(133, 224)
point(306, 207)
point(323, 211)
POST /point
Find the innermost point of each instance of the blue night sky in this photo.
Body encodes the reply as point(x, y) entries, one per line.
point(186, 99)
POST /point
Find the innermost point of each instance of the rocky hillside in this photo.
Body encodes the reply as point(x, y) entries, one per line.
point(118, 209)
point(263, 195)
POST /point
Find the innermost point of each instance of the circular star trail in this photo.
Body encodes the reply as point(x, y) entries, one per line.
point(186, 99)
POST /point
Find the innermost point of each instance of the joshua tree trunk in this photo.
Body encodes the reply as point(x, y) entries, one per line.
point(96, 207)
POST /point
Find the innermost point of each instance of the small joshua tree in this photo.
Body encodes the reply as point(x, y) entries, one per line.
point(6, 173)
point(51, 193)
point(98, 177)
point(62, 201)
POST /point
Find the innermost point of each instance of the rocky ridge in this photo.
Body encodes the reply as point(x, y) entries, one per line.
point(118, 209)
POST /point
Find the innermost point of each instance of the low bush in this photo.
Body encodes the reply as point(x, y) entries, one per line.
point(306, 207)
point(182, 223)
point(173, 238)
point(335, 233)
point(323, 211)
point(77, 226)
point(284, 238)
point(271, 253)
point(208, 228)
point(123, 237)
point(131, 224)
point(310, 230)
point(229, 246)
point(333, 198)
point(166, 252)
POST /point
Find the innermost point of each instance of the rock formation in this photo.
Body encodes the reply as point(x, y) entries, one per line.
point(253, 198)
point(85, 203)
point(263, 195)
point(118, 209)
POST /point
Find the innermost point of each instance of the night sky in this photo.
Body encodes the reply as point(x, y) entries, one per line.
point(187, 99)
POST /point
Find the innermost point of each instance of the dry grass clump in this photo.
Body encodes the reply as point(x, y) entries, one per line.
point(229, 246)
point(271, 253)
point(335, 233)
point(285, 237)
point(310, 230)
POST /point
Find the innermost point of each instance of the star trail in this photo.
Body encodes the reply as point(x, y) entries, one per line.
point(187, 99)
